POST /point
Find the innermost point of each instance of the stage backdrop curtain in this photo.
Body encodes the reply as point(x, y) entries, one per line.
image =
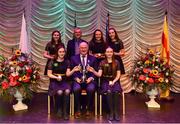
point(139, 24)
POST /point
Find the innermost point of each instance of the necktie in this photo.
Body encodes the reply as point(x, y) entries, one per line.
point(84, 68)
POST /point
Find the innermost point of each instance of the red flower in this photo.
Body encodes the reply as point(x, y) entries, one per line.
point(13, 80)
point(142, 77)
point(156, 76)
point(151, 74)
point(150, 81)
point(14, 57)
point(37, 77)
point(29, 70)
point(21, 64)
point(5, 85)
point(146, 70)
point(26, 81)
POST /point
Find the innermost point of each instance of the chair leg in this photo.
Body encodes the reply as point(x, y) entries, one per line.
point(72, 104)
point(123, 100)
point(100, 107)
point(49, 105)
point(95, 103)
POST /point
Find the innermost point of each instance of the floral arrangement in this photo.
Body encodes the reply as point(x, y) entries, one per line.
point(18, 72)
point(151, 71)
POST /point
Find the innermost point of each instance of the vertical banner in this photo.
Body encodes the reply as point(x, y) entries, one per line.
point(165, 50)
point(23, 44)
point(165, 41)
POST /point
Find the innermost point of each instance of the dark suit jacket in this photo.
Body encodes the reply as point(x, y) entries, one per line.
point(91, 61)
point(71, 48)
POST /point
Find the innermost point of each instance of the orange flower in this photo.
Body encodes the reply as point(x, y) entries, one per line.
point(155, 72)
point(147, 62)
point(161, 79)
point(151, 51)
point(18, 52)
point(14, 63)
point(26, 79)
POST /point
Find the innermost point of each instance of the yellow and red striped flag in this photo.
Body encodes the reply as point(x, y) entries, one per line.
point(165, 41)
point(165, 51)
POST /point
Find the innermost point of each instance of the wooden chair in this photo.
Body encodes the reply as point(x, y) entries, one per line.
point(83, 93)
point(123, 104)
point(49, 104)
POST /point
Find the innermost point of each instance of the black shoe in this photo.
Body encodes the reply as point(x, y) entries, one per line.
point(110, 117)
point(77, 115)
point(66, 117)
point(59, 113)
point(117, 118)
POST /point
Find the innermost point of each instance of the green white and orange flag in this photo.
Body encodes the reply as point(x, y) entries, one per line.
point(165, 41)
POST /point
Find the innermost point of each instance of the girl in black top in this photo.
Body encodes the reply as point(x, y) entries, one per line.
point(59, 85)
point(117, 45)
point(51, 47)
point(97, 46)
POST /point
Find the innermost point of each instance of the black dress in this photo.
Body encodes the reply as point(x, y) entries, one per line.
point(58, 68)
point(109, 75)
point(117, 46)
point(51, 48)
point(96, 47)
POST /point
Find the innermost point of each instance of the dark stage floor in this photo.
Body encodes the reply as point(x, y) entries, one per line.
point(136, 112)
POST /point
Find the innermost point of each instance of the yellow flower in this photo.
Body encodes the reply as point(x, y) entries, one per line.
point(161, 79)
point(155, 72)
point(151, 51)
point(18, 52)
point(14, 63)
point(147, 62)
point(24, 77)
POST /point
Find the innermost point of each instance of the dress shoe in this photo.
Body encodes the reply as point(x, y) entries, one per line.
point(117, 118)
point(110, 117)
point(88, 114)
point(59, 113)
point(66, 117)
point(77, 115)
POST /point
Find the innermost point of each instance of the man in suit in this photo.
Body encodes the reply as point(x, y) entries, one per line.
point(83, 79)
point(73, 45)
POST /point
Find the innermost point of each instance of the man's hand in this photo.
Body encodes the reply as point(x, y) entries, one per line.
point(89, 80)
point(78, 80)
point(90, 69)
point(77, 68)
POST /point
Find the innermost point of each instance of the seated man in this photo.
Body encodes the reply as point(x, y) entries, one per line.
point(83, 79)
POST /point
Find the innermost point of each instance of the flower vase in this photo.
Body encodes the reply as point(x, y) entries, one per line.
point(19, 106)
point(152, 95)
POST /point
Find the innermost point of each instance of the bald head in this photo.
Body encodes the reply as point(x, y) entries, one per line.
point(83, 48)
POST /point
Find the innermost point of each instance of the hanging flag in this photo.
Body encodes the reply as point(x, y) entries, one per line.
point(107, 26)
point(75, 23)
point(165, 41)
point(23, 45)
point(165, 52)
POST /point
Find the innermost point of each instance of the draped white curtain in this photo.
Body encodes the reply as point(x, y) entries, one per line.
point(139, 24)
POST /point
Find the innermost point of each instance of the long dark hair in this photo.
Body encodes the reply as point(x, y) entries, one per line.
point(52, 39)
point(93, 40)
point(114, 64)
point(56, 55)
point(116, 36)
